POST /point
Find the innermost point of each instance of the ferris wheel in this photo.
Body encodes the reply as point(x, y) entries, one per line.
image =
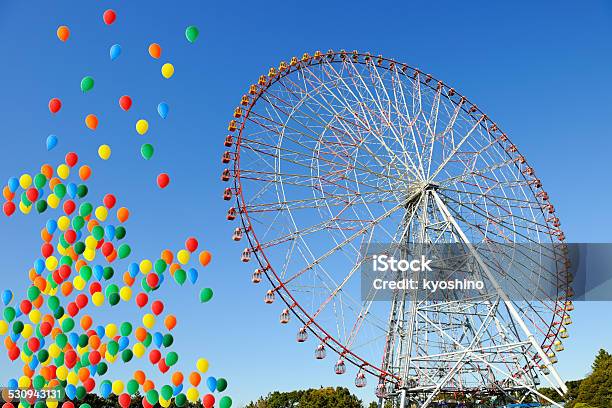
point(334, 153)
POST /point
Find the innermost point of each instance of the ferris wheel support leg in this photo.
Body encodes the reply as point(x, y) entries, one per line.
point(515, 315)
point(403, 399)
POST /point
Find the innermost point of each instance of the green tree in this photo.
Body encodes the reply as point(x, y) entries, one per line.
point(328, 397)
point(595, 390)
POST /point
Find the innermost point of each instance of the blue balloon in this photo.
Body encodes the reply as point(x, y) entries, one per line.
point(73, 339)
point(115, 52)
point(18, 313)
point(51, 226)
point(71, 188)
point(109, 231)
point(133, 269)
point(105, 388)
point(123, 343)
point(192, 274)
point(13, 184)
point(93, 369)
point(39, 266)
point(100, 331)
point(211, 383)
point(51, 142)
point(161, 279)
point(12, 384)
point(70, 391)
point(163, 109)
point(158, 339)
point(7, 297)
point(98, 272)
point(177, 390)
point(34, 363)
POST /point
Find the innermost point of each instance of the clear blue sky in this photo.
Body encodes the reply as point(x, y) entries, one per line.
point(540, 70)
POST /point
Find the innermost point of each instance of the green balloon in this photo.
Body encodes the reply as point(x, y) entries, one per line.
point(113, 347)
point(80, 394)
point(101, 368)
point(221, 384)
point(83, 340)
point(180, 400)
point(206, 294)
point(225, 402)
point(171, 358)
point(61, 340)
point(192, 33)
point(25, 200)
point(124, 251)
point(40, 404)
point(166, 392)
point(67, 325)
point(126, 329)
point(40, 180)
point(132, 387)
point(146, 150)
point(53, 302)
point(120, 232)
point(87, 84)
point(43, 355)
point(9, 314)
point(148, 339)
point(78, 222)
point(17, 327)
point(85, 209)
point(152, 397)
point(97, 232)
point(82, 190)
point(126, 355)
point(160, 266)
point(41, 206)
point(112, 288)
point(167, 340)
point(85, 272)
point(60, 191)
point(108, 273)
point(33, 293)
point(180, 276)
point(58, 313)
point(66, 260)
point(79, 248)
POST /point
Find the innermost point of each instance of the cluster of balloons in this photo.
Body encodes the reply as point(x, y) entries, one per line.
point(51, 330)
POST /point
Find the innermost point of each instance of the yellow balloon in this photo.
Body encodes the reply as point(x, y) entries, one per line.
point(91, 242)
point(111, 359)
point(142, 126)
point(167, 70)
point(110, 330)
point(164, 403)
point(202, 365)
point(192, 394)
point(27, 331)
point(62, 373)
point(117, 387)
point(24, 208)
point(148, 320)
point(104, 151)
point(72, 378)
point(54, 350)
point(24, 382)
point(97, 299)
point(63, 223)
point(125, 293)
point(146, 266)
point(139, 350)
point(35, 316)
point(51, 263)
point(101, 213)
point(25, 358)
point(89, 254)
point(63, 171)
point(183, 256)
point(60, 249)
point(25, 181)
point(82, 350)
point(3, 327)
point(52, 404)
point(53, 201)
point(79, 283)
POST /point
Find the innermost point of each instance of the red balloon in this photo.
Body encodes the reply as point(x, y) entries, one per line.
point(25, 306)
point(163, 180)
point(89, 384)
point(125, 102)
point(94, 287)
point(70, 236)
point(107, 249)
point(69, 207)
point(94, 357)
point(82, 300)
point(191, 244)
point(72, 309)
point(13, 353)
point(46, 249)
point(146, 404)
point(70, 358)
point(55, 105)
point(109, 201)
point(125, 400)
point(33, 344)
point(154, 356)
point(64, 271)
point(8, 405)
point(109, 17)
point(208, 401)
point(71, 159)
point(57, 278)
point(68, 404)
point(45, 328)
point(32, 194)
point(142, 299)
point(157, 307)
point(9, 208)
point(163, 367)
point(152, 280)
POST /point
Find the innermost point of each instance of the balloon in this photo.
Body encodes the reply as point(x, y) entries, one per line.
point(225, 402)
point(191, 244)
point(167, 70)
point(125, 400)
point(162, 109)
point(208, 401)
point(109, 17)
point(202, 365)
point(192, 33)
point(170, 322)
point(55, 105)
point(91, 121)
point(206, 294)
point(63, 33)
point(157, 307)
point(104, 151)
point(155, 50)
point(9, 208)
point(205, 258)
point(192, 274)
point(146, 150)
point(211, 383)
point(163, 180)
point(51, 142)
point(115, 51)
point(221, 384)
point(7, 297)
point(125, 102)
point(87, 84)
point(142, 126)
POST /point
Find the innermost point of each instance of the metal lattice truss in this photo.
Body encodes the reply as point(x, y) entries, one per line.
point(336, 152)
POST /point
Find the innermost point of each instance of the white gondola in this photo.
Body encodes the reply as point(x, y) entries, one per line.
point(340, 367)
point(237, 236)
point(360, 380)
point(284, 316)
point(269, 298)
point(320, 352)
point(302, 335)
point(256, 278)
point(246, 255)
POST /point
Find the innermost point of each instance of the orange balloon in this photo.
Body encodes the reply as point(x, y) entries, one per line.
point(140, 376)
point(102, 349)
point(148, 385)
point(40, 283)
point(94, 342)
point(45, 235)
point(170, 322)
point(84, 172)
point(123, 214)
point(38, 302)
point(167, 256)
point(195, 378)
point(83, 373)
point(112, 256)
point(47, 171)
point(127, 279)
point(155, 50)
point(27, 371)
point(54, 182)
point(54, 332)
point(67, 288)
point(8, 195)
point(48, 319)
point(79, 264)
point(8, 343)
point(91, 121)
point(177, 378)
point(63, 33)
point(86, 322)
point(32, 274)
point(91, 224)
point(174, 267)
point(140, 333)
point(205, 257)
